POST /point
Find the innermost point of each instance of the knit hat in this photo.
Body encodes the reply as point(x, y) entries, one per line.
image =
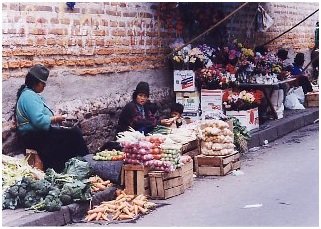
point(40, 72)
point(142, 87)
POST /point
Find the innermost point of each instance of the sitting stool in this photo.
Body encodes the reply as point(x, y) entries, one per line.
point(34, 159)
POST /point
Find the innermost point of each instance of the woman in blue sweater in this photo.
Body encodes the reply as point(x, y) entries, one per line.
point(38, 127)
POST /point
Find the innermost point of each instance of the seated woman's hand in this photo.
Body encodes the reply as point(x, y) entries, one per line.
point(57, 118)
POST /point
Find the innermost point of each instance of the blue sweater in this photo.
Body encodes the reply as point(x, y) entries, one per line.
point(32, 113)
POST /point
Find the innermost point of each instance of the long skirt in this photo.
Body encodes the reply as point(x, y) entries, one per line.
point(56, 146)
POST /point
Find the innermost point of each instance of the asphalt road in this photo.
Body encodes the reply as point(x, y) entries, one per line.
point(280, 179)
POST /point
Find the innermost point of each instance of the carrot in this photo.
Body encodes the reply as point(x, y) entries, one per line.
point(104, 216)
point(139, 197)
point(86, 218)
point(125, 210)
point(120, 196)
point(96, 210)
point(92, 216)
point(121, 207)
point(98, 215)
point(109, 210)
point(100, 186)
point(123, 216)
point(95, 189)
point(111, 206)
point(142, 210)
point(120, 200)
point(136, 209)
point(106, 182)
point(139, 203)
point(116, 215)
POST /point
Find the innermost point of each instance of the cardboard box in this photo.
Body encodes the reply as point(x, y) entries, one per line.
point(211, 100)
point(190, 100)
point(248, 118)
point(184, 80)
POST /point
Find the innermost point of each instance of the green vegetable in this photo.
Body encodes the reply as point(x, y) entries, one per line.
point(42, 187)
point(79, 169)
point(50, 203)
point(9, 202)
point(31, 199)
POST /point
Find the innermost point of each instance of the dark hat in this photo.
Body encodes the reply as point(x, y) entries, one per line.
point(282, 54)
point(40, 72)
point(142, 87)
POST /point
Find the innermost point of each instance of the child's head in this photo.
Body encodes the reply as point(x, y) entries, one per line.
point(177, 110)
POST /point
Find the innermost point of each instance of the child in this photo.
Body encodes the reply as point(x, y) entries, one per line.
point(175, 119)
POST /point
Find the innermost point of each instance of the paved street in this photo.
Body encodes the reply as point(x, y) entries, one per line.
point(281, 179)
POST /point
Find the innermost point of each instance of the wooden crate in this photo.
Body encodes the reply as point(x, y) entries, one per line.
point(135, 179)
point(165, 185)
point(312, 99)
point(193, 153)
point(216, 165)
point(187, 174)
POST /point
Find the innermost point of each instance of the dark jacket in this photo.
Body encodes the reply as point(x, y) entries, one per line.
point(131, 117)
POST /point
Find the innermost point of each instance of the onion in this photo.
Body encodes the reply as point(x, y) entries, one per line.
point(142, 151)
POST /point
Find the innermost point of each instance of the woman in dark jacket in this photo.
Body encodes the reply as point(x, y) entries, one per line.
point(298, 72)
point(136, 114)
point(38, 127)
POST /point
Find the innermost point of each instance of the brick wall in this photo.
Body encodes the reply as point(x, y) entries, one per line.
point(93, 38)
point(285, 15)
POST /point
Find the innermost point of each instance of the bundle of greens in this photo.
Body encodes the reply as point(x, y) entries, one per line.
point(241, 136)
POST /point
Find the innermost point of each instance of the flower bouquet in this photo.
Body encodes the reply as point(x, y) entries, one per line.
point(188, 58)
point(241, 101)
point(214, 77)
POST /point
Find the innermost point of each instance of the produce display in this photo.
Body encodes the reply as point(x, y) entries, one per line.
point(171, 153)
point(122, 208)
point(165, 166)
point(98, 184)
point(51, 192)
point(109, 155)
point(137, 153)
point(156, 141)
point(217, 138)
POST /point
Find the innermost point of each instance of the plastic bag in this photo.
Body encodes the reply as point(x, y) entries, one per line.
point(300, 94)
point(263, 20)
point(292, 102)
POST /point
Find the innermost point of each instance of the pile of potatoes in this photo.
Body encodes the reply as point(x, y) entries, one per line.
point(216, 138)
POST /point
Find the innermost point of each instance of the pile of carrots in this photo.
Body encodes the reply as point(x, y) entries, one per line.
point(98, 184)
point(123, 207)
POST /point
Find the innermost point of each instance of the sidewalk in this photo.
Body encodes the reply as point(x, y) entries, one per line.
point(271, 130)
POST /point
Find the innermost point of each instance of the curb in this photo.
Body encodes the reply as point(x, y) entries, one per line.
point(294, 120)
point(71, 213)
